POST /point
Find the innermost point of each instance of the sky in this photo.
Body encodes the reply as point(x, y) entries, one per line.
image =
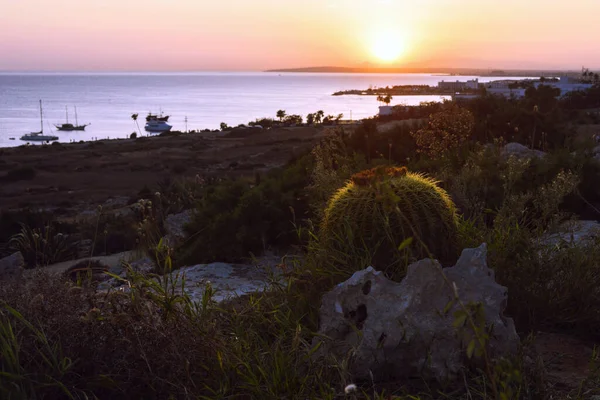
point(248, 35)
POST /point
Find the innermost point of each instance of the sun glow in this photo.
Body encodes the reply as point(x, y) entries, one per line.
point(388, 45)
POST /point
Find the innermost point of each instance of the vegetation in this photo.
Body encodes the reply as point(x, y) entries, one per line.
point(19, 174)
point(67, 340)
point(41, 247)
point(237, 217)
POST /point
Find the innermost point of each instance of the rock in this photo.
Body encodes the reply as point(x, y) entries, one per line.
point(227, 280)
point(398, 330)
point(116, 202)
point(143, 265)
point(519, 151)
point(174, 224)
point(12, 266)
point(573, 233)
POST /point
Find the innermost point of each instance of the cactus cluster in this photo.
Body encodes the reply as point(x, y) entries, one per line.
point(382, 209)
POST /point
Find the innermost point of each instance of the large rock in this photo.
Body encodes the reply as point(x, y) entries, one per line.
point(174, 224)
point(12, 266)
point(573, 233)
point(397, 330)
point(522, 152)
point(227, 281)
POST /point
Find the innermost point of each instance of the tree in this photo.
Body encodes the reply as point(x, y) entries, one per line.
point(310, 119)
point(339, 117)
point(328, 119)
point(387, 99)
point(135, 117)
point(281, 115)
point(319, 116)
point(596, 78)
point(224, 126)
point(293, 119)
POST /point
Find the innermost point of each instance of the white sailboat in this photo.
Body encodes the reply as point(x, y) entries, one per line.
point(39, 136)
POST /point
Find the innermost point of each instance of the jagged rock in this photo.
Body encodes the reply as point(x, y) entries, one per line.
point(573, 233)
point(174, 224)
point(519, 151)
point(397, 330)
point(12, 266)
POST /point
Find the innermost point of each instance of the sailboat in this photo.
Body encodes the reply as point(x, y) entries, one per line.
point(70, 127)
point(39, 136)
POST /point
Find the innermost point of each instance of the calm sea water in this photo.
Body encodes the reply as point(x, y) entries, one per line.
point(206, 99)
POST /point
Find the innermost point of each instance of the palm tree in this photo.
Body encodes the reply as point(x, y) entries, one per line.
point(135, 117)
point(387, 99)
point(281, 115)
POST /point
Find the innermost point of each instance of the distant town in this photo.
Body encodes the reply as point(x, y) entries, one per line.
point(464, 90)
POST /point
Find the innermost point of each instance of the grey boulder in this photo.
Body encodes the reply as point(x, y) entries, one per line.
point(520, 151)
point(12, 266)
point(395, 330)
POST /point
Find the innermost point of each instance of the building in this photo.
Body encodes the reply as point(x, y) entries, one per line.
point(459, 86)
point(385, 110)
point(566, 84)
point(452, 86)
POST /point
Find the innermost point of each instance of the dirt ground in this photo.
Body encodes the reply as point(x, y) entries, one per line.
point(89, 173)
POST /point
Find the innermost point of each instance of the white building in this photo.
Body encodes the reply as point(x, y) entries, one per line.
point(458, 85)
point(385, 110)
point(566, 84)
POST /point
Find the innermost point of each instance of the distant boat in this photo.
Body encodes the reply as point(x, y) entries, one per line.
point(39, 136)
point(154, 117)
point(157, 126)
point(70, 127)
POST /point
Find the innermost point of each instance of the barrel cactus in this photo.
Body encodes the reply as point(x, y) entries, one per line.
point(393, 217)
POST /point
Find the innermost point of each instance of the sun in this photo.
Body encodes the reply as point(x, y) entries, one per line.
point(388, 46)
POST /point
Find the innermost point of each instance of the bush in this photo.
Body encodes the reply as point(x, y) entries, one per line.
point(235, 218)
point(19, 174)
point(382, 209)
point(43, 247)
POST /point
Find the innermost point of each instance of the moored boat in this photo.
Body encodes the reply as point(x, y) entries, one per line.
point(157, 126)
point(154, 117)
point(70, 127)
point(39, 136)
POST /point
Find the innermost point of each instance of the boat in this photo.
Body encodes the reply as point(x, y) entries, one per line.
point(39, 136)
point(70, 127)
point(154, 117)
point(157, 126)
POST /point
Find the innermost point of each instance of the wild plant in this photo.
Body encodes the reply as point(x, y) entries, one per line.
point(41, 247)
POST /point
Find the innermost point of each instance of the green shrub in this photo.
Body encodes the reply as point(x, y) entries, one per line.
point(382, 209)
point(235, 218)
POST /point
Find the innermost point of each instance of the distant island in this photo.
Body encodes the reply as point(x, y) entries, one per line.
point(425, 70)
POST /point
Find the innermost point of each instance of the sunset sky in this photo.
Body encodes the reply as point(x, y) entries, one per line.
point(165, 35)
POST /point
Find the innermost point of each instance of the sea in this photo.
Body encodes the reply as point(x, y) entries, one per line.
point(194, 101)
